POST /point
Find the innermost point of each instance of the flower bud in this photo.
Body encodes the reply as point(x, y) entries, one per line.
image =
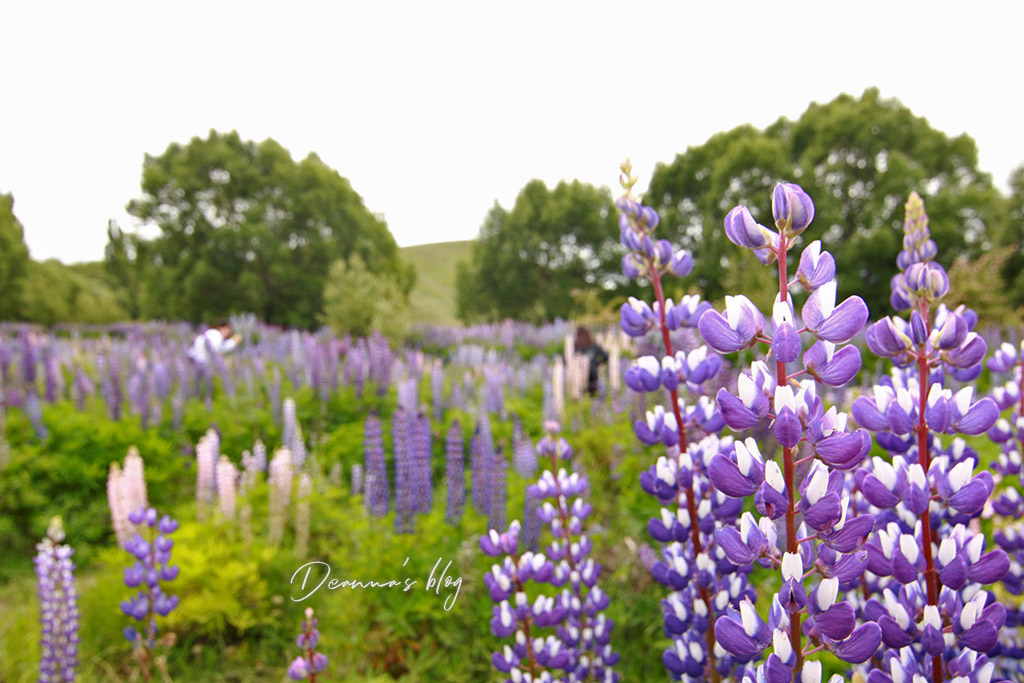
point(792, 208)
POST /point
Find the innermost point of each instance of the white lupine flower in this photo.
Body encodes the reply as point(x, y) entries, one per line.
point(828, 590)
point(792, 567)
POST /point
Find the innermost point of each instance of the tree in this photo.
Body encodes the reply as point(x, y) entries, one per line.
point(858, 159)
point(126, 263)
point(1012, 239)
point(14, 260)
point(696, 191)
point(527, 260)
point(358, 301)
point(58, 293)
point(243, 227)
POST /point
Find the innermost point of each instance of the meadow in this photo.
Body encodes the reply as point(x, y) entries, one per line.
point(376, 482)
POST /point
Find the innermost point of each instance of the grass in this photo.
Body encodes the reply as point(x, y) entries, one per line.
point(433, 298)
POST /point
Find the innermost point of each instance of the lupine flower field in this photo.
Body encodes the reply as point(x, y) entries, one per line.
point(812, 493)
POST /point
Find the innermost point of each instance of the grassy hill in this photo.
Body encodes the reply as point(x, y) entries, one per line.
point(433, 298)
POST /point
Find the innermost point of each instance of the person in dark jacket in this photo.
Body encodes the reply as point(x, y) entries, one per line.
point(586, 346)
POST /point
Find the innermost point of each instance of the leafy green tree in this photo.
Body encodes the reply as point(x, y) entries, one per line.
point(58, 293)
point(1012, 239)
point(125, 263)
point(859, 159)
point(358, 301)
point(695, 192)
point(244, 227)
point(527, 260)
point(14, 260)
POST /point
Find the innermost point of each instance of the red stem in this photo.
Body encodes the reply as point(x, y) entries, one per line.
point(931, 577)
point(150, 634)
point(691, 503)
point(526, 626)
point(789, 470)
point(564, 516)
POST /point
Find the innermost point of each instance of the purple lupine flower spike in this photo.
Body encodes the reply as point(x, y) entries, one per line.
point(150, 570)
point(58, 606)
point(310, 662)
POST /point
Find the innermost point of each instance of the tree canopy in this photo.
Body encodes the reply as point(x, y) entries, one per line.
point(244, 227)
point(14, 260)
point(528, 259)
point(859, 159)
point(1012, 239)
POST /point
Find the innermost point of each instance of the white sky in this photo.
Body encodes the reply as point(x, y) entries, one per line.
point(435, 110)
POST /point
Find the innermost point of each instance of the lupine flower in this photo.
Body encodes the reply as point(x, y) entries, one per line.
point(58, 606)
point(455, 474)
point(310, 663)
point(227, 486)
point(800, 423)
point(702, 580)
point(931, 604)
point(524, 459)
point(378, 491)
point(151, 569)
point(126, 491)
point(279, 481)
point(580, 645)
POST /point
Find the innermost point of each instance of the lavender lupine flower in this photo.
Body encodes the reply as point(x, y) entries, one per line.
point(422, 451)
point(481, 459)
point(53, 379)
point(494, 390)
point(926, 560)
point(58, 606)
point(524, 459)
point(829, 539)
point(1009, 505)
point(310, 663)
point(497, 490)
point(402, 444)
point(151, 569)
point(34, 410)
point(703, 581)
point(378, 490)
point(259, 454)
point(437, 389)
point(455, 474)
point(380, 361)
point(579, 649)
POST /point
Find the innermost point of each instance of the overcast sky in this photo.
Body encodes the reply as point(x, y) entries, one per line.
point(433, 110)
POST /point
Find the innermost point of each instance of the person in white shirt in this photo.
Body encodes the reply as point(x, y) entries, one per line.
point(217, 339)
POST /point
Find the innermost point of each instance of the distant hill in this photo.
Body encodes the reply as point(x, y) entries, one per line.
point(433, 298)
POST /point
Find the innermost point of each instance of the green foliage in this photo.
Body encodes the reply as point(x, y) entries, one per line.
point(859, 159)
point(979, 286)
point(528, 259)
point(244, 227)
point(358, 301)
point(67, 476)
point(14, 260)
point(126, 262)
point(1013, 239)
point(57, 293)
